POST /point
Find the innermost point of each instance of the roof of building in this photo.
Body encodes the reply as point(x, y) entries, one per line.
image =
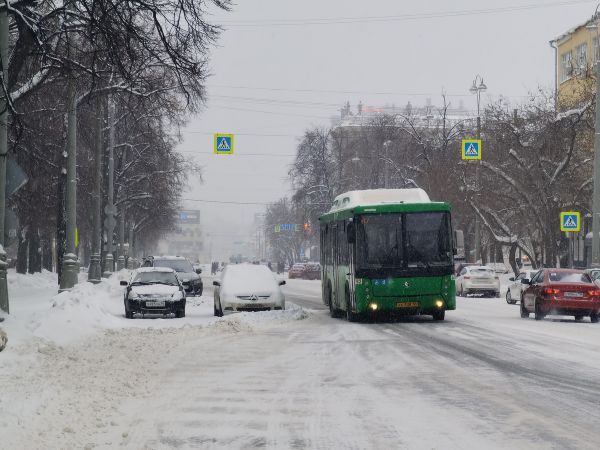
point(570, 31)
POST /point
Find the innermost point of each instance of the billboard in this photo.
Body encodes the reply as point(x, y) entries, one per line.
point(188, 217)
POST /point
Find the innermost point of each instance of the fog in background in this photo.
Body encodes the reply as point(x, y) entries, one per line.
point(275, 75)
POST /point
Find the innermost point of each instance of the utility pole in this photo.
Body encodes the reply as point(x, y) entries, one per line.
point(95, 270)
point(478, 89)
point(70, 265)
point(131, 256)
point(121, 258)
point(4, 304)
point(110, 207)
point(593, 25)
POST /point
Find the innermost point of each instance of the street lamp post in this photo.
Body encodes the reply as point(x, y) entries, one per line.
point(596, 193)
point(354, 159)
point(477, 88)
point(386, 172)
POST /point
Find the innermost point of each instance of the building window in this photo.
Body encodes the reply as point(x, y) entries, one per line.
point(566, 66)
point(581, 53)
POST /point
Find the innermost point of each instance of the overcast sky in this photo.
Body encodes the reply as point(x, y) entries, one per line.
point(282, 67)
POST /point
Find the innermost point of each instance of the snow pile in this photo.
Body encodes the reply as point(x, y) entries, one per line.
point(250, 321)
point(26, 282)
point(82, 311)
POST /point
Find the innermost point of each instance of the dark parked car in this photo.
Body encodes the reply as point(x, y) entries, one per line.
point(189, 276)
point(566, 292)
point(154, 290)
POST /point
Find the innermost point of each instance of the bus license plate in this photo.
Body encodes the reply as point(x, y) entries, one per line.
point(155, 304)
point(407, 305)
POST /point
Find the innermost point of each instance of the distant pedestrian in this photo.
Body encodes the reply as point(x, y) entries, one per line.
point(269, 266)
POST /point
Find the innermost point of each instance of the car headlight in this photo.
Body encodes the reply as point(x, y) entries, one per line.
point(177, 296)
point(133, 295)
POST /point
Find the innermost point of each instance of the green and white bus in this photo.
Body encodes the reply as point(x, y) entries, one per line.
point(387, 251)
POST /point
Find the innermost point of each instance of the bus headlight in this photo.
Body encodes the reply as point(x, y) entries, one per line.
point(439, 304)
point(373, 306)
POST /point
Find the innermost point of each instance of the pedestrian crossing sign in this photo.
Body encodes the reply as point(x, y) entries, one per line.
point(223, 144)
point(570, 221)
point(471, 149)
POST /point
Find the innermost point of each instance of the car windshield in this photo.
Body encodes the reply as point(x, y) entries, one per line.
point(403, 240)
point(594, 274)
point(178, 265)
point(155, 277)
point(248, 279)
point(569, 277)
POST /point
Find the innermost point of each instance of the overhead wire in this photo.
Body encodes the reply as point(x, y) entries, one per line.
point(396, 18)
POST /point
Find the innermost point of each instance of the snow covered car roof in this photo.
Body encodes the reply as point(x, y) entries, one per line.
point(153, 269)
point(167, 257)
point(249, 278)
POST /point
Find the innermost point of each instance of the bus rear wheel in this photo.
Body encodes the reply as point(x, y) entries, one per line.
point(333, 313)
point(350, 316)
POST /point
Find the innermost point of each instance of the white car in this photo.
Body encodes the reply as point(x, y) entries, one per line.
point(247, 287)
point(476, 280)
point(515, 288)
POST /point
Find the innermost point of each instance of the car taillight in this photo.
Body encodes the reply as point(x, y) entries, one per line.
point(551, 291)
point(594, 293)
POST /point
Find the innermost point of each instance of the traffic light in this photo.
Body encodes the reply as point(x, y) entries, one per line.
point(306, 227)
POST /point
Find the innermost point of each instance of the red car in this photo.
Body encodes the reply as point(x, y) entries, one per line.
point(297, 271)
point(564, 292)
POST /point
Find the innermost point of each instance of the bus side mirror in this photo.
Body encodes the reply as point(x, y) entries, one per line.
point(351, 233)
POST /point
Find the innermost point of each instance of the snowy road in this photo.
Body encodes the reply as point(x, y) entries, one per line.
point(482, 379)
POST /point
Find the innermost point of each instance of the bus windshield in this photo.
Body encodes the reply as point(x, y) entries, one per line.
point(403, 241)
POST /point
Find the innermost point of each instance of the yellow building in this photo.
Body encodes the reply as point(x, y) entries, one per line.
point(575, 51)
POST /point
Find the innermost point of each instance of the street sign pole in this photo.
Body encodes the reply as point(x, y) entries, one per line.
point(477, 176)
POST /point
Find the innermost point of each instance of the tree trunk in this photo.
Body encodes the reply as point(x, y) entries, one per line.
point(35, 260)
point(46, 245)
point(61, 224)
point(22, 253)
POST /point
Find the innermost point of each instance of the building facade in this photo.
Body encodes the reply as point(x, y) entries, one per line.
point(187, 237)
point(576, 50)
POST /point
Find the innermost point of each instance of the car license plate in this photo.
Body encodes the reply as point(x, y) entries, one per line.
point(573, 294)
point(407, 305)
point(155, 304)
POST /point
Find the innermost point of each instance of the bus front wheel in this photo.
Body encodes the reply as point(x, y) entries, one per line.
point(439, 315)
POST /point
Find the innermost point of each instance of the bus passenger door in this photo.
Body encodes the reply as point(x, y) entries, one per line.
point(335, 265)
